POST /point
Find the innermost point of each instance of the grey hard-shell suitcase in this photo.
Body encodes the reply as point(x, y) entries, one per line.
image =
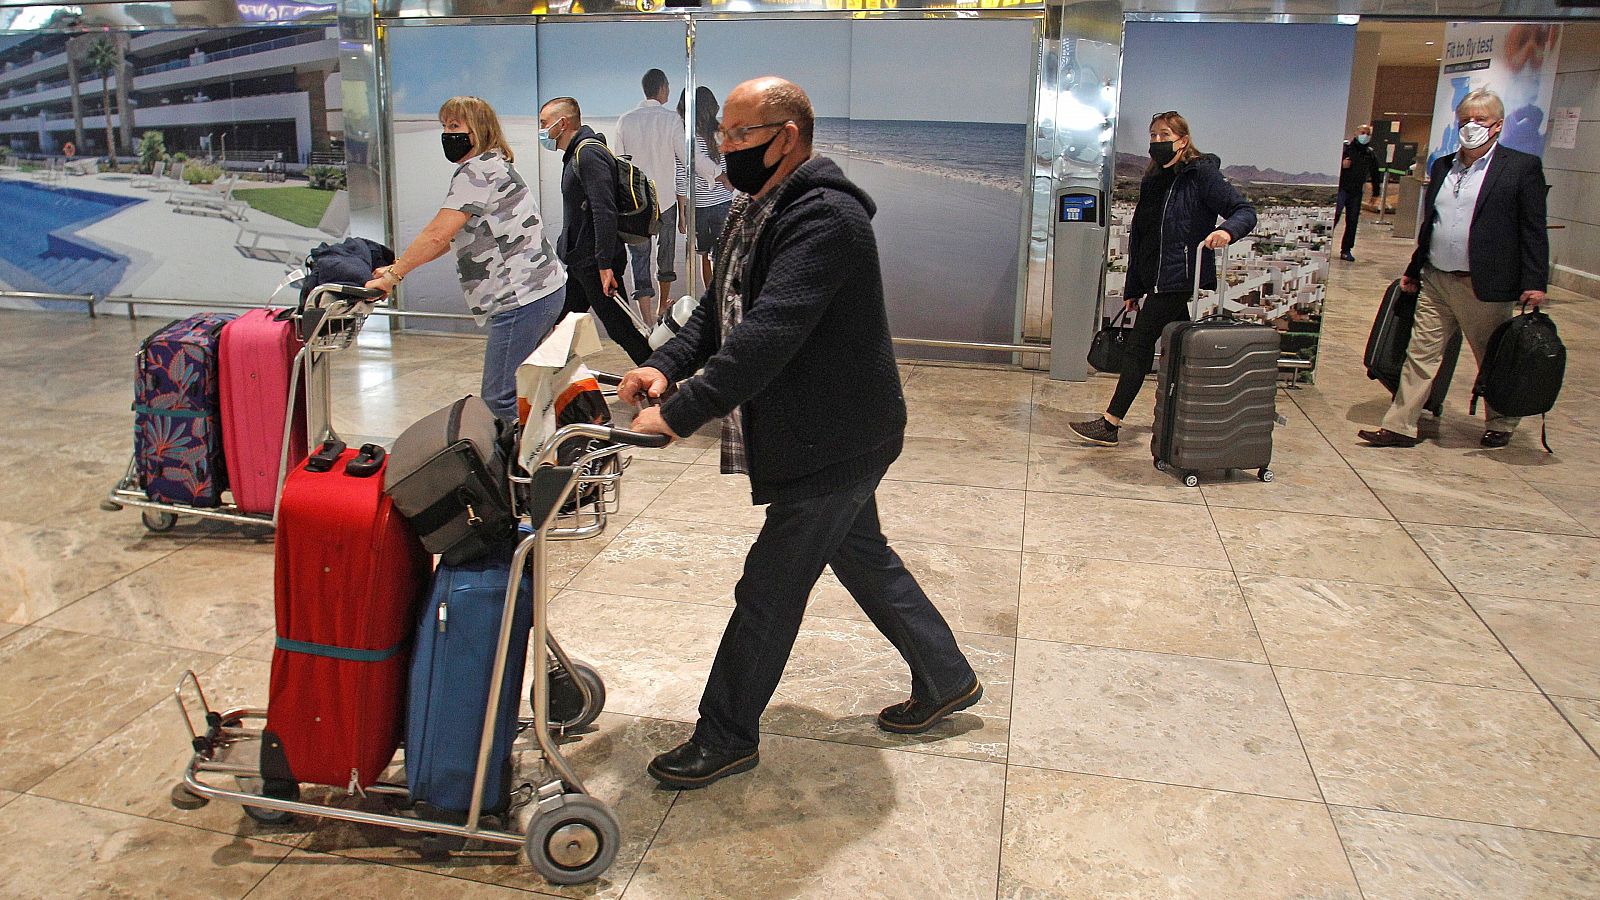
point(447, 475)
point(1216, 395)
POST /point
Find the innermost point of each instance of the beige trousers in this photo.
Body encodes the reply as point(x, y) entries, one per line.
point(1446, 303)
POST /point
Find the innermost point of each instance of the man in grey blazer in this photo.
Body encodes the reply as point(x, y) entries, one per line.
point(1482, 250)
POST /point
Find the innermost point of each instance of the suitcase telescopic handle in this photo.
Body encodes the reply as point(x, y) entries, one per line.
point(1222, 275)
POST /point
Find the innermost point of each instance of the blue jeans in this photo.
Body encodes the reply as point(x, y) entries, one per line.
point(666, 244)
point(799, 537)
point(513, 334)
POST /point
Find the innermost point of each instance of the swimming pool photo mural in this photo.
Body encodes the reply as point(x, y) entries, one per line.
point(189, 165)
point(1282, 150)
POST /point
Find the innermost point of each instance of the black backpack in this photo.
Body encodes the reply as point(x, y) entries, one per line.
point(638, 210)
point(1522, 368)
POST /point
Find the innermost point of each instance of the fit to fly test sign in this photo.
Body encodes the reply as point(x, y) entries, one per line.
point(1516, 60)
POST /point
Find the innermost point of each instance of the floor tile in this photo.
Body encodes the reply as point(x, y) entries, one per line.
point(1556, 642)
point(1174, 719)
point(1324, 547)
point(63, 692)
point(1377, 630)
point(702, 494)
point(305, 875)
point(45, 567)
point(1584, 715)
point(940, 460)
point(670, 560)
point(1136, 606)
point(1488, 756)
point(209, 597)
point(1101, 472)
point(975, 588)
point(1084, 836)
point(1581, 502)
point(951, 514)
point(1409, 857)
point(825, 820)
point(76, 851)
point(259, 647)
point(643, 481)
point(1442, 499)
point(1515, 563)
point(1314, 490)
point(611, 761)
point(1099, 528)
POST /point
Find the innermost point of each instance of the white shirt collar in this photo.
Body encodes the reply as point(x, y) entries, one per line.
point(1481, 162)
point(646, 103)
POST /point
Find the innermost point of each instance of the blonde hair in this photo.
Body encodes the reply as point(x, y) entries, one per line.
point(1482, 100)
point(481, 122)
point(1180, 127)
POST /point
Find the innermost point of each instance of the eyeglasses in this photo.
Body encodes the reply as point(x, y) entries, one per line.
point(738, 133)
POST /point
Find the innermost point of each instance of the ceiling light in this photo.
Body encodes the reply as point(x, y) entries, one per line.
point(1427, 43)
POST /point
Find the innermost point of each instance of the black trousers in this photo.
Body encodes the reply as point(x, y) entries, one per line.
point(584, 294)
point(1157, 311)
point(1348, 203)
point(799, 537)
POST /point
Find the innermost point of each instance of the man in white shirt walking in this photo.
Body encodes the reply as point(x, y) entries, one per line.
point(1481, 250)
point(653, 137)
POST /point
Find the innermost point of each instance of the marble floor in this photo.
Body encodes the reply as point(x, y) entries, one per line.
point(1374, 677)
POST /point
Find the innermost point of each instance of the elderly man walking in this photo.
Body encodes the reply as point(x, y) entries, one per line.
point(790, 348)
point(1481, 249)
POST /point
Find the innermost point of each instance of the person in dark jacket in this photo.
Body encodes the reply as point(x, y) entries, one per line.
point(791, 346)
point(1481, 249)
point(1358, 168)
point(589, 245)
point(1180, 199)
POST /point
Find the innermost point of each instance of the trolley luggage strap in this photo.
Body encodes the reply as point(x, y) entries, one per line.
point(347, 653)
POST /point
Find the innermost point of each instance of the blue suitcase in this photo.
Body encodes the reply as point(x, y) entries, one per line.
point(451, 665)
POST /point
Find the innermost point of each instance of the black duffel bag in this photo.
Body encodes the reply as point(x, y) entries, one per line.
point(447, 475)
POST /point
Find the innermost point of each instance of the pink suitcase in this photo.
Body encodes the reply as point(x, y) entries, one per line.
point(257, 356)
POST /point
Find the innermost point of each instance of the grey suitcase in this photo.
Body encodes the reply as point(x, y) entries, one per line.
point(1216, 395)
point(447, 475)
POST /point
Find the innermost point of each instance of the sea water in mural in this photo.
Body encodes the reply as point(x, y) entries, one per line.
point(193, 165)
point(1516, 61)
point(1281, 150)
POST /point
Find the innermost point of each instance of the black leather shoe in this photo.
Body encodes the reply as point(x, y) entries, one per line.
point(1494, 440)
point(1383, 437)
point(689, 766)
point(916, 716)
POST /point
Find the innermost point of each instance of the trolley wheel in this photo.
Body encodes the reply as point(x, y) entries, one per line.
point(185, 799)
point(574, 842)
point(158, 521)
point(278, 790)
point(1190, 479)
point(110, 505)
point(1161, 466)
point(1265, 474)
point(567, 709)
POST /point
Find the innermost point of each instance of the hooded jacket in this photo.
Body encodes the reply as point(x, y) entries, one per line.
point(589, 205)
point(811, 362)
point(1198, 196)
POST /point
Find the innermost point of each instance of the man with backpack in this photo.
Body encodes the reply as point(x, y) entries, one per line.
point(1481, 251)
point(590, 246)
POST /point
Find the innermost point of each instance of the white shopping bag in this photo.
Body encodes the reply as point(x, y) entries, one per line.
point(555, 388)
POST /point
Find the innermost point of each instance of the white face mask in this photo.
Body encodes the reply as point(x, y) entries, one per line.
point(1473, 135)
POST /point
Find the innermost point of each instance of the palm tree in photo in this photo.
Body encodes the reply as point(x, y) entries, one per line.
point(104, 59)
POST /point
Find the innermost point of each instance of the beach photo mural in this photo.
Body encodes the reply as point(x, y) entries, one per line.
point(1275, 117)
point(189, 165)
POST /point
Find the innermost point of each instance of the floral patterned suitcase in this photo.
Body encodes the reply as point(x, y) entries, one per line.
point(177, 433)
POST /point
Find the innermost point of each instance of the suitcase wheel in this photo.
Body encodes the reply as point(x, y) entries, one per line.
point(158, 521)
point(1190, 479)
point(1161, 466)
point(185, 799)
point(1265, 474)
point(567, 709)
point(574, 842)
point(279, 790)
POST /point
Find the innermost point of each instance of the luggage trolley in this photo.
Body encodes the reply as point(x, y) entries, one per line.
point(329, 320)
point(572, 837)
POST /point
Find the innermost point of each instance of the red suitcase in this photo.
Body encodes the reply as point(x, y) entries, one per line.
point(257, 356)
point(350, 579)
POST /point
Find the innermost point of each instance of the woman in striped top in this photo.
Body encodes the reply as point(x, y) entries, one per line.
point(713, 195)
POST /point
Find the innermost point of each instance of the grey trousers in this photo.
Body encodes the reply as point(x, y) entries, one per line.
point(1446, 303)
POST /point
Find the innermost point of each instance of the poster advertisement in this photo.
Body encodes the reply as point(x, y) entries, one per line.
point(187, 165)
point(1281, 150)
point(1516, 61)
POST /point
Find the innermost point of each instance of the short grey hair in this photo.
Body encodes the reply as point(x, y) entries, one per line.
point(1482, 100)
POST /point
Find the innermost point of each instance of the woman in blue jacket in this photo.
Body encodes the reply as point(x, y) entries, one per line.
point(1180, 199)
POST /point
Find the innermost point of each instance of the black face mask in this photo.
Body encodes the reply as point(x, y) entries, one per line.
point(746, 171)
point(457, 145)
point(1161, 152)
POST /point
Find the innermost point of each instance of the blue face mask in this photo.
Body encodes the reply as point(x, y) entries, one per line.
point(545, 140)
point(1363, 138)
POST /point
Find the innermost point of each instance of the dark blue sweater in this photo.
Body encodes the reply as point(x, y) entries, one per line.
point(811, 362)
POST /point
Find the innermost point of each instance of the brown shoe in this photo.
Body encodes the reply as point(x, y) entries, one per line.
point(1383, 437)
point(1494, 440)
